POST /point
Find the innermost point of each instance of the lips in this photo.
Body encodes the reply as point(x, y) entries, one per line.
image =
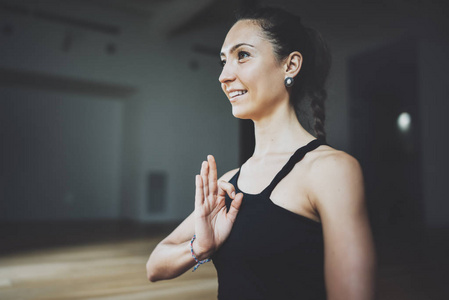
point(235, 94)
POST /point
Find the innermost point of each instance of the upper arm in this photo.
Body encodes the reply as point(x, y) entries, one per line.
point(228, 175)
point(186, 229)
point(338, 192)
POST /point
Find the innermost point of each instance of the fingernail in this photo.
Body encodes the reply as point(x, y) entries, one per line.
point(233, 194)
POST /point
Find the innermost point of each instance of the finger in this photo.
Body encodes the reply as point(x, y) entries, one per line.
point(226, 188)
point(235, 207)
point(212, 175)
point(199, 196)
point(204, 175)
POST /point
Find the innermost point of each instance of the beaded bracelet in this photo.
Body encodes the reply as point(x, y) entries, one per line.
point(198, 262)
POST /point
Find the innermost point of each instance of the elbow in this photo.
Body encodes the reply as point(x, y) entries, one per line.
point(152, 278)
point(156, 272)
point(151, 273)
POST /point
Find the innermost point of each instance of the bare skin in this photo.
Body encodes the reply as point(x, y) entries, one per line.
point(326, 186)
point(209, 222)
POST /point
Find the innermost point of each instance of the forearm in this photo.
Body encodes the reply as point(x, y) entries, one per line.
point(172, 257)
point(169, 261)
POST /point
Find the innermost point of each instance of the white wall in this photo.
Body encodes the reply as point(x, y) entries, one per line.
point(185, 118)
point(174, 117)
point(60, 156)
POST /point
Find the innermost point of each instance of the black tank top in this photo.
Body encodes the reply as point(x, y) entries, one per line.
point(271, 253)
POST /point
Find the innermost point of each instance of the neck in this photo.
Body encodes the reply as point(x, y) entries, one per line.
point(279, 132)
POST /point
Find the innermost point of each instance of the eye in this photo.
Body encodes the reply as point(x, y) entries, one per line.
point(222, 62)
point(243, 55)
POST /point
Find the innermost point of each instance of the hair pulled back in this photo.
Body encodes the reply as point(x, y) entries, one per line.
point(287, 34)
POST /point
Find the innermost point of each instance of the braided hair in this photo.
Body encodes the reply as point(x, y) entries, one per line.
point(287, 34)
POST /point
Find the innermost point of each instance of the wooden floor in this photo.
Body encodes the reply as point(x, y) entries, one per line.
point(101, 271)
point(107, 261)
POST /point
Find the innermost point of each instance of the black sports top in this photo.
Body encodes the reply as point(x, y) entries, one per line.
point(271, 253)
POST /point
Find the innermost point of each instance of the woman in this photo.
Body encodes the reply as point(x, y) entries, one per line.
point(291, 223)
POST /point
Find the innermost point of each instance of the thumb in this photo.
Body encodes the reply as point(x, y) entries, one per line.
point(235, 207)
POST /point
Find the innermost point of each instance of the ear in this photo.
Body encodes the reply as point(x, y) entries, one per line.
point(293, 64)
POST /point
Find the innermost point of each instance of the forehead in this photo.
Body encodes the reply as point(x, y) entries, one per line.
point(244, 31)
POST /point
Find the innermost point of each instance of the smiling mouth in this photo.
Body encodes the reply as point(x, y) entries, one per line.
point(236, 94)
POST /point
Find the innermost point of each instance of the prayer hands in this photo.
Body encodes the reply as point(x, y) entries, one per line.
point(213, 223)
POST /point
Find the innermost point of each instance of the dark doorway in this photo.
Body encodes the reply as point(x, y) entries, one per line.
point(383, 84)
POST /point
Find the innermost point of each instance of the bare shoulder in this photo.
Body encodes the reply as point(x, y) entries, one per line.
point(228, 175)
point(329, 160)
point(337, 187)
point(335, 172)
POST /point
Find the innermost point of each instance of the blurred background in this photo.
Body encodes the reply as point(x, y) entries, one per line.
point(108, 108)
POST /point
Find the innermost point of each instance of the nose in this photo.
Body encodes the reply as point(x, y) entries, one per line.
point(227, 74)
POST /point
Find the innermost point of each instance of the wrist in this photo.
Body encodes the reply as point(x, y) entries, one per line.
point(202, 255)
point(199, 256)
point(199, 252)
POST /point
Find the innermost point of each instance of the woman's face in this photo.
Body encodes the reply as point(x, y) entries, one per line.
point(252, 78)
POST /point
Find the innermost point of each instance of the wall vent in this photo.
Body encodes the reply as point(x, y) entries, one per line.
point(157, 192)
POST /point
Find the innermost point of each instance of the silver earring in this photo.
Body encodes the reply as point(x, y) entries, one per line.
point(289, 81)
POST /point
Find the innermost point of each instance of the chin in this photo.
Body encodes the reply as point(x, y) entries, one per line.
point(239, 113)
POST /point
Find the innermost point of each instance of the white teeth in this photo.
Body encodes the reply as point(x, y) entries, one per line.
point(236, 93)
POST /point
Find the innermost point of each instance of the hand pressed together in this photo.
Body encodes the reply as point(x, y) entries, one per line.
point(213, 223)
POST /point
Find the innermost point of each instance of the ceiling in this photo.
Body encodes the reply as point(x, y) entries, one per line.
point(354, 18)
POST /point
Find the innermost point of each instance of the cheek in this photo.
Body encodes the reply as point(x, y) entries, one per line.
point(269, 82)
point(264, 80)
point(223, 88)
point(257, 78)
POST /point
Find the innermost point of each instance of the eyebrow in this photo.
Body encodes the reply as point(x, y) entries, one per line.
point(236, 47)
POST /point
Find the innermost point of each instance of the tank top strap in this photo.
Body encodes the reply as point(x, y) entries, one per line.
point(294, 159)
